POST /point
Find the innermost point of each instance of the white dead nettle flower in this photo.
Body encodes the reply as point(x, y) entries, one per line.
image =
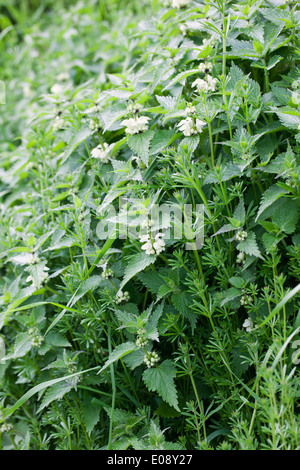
point(241, 235)
point(206, 67)
point(190, 110)
point(136, 125)
point(212, 82)
point(183, 28)
point(44, 277)
point(107, 272)
point(205, 85)
point(94, 109)
point(102, 152)
point(200, 84)
point(122, 297)
point(63, 77)
point(151, 359)
point(95, 125)
point(134, 108)
point(190, 127)
point(57, 89)
point(6, 427)
point(58, 123)
point(153, 247)
point(246, 299)
point(248, 324)
point(180, 3)
point(240, 257)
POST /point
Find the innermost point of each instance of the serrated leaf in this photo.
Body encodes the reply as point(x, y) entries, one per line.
point(269, 197)
point(140, 144)
point(56, 392)
point(77, 139)
point(119, 352)
point(160, 379)
point(249, 246)
point(90, 414)
point(137, 263)
point(89, 284)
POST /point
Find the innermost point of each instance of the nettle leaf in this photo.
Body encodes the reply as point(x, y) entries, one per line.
point(119, 352)
point(249, 246)
point(77, 139)
point(134, 359)
point(90, 284)
point(181, 77)
point(269, 197)
point(37, 271)
point(182, 302)
point(289, 117)
point(56, 392)
point(240, 213)
point(137, 263)
point(140, 144)
point(161, 140)
point(152, 280)
point(286, 216)
point(22, 345)
point(161, 380)
point(168, 102)
point(230, 294)
point(90, 413)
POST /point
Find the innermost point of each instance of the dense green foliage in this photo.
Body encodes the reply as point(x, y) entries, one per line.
point(135, 342)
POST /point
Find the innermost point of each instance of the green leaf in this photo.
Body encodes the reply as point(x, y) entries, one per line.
point(56, 392)
point(136, 264)
point(119, 352)
point(249, 246)
point(140, 144)
point(90, 414)
point(286, 216)
point(161, 380)
point(269, 197)
point(79, 137)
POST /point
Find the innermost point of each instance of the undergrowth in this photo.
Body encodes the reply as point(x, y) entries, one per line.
point(115, 332)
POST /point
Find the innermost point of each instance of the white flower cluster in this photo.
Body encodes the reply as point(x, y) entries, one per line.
point(141, 340)
point(37, 339)
point(190, 126)
point(240, 257)
point(134, 108)
point(107, 273)
point(101, 152)
point(33, 259)
point(57, 89)
point(180, 3)
point(6, 427)
point(94, 109)
point(206, 67)
point(136, 125)
point(95, 125)
point(190, 110)
point(151, 359)
point(63, 77)
point(246, 299)
point(44, 277)
point(241, 235)
point(122, 297)
point(58, 123)
point(248, 324)
point(209, 84)
point(153, 247)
